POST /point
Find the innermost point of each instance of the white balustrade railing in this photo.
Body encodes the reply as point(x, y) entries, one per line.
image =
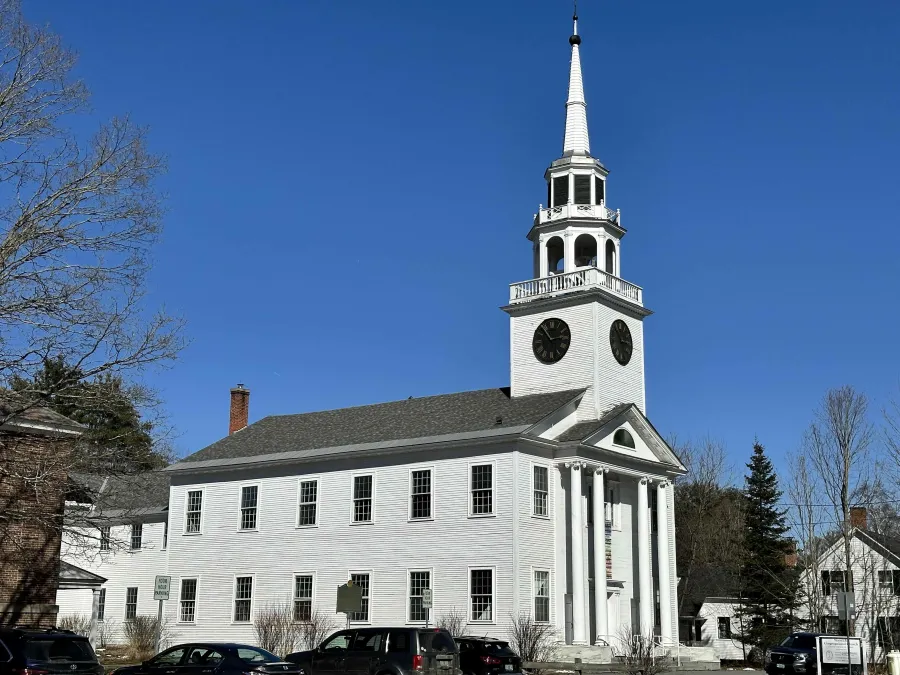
point(583, 279)
point(599, 211)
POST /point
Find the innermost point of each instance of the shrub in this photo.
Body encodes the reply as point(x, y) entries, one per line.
point(143, 634)
point(78, 623)
point(453, 621)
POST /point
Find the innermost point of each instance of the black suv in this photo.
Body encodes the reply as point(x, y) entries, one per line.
point(208, 658)
point(487, 656)
point(382, 651)
point(25, 651)
point(796, 655)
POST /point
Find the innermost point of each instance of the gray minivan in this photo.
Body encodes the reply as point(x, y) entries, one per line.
point(382, 651)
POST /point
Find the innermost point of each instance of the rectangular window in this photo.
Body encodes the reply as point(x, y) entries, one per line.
point(249, 501)
point(309, 498)
point(541, 491)
point(599, 189)
point(193, 511)
point(420, 494)
point(418, 582)
point(482, 489)
point(303, 597)
point(361, 580)
point(833, 581)
point(724, 627)
point(542, 596)
point(362, 499)
point(137, 533)
point(130, 602)
point(889, 581)
point(561, 190)
point(582, 189)
point(188, 601)
point(101, 604)
point(165, 534)
point(104, 538)
point(481, 593)
point(243, 597)
point(613, 508)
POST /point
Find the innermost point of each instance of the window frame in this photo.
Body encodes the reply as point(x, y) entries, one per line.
point(409, 500)
point(294, 597)
point(187, 501)
point(719, 620)
point(318, 503)
point(234, 598)
point(471, 490)
point(101, 604)
point(481, 568)
point(549, 596)
point(353, 498)
point(630, 448)
point(196, 600)
point(409, 572)
point(534, 491)
point(105, 538)
point(135, 603)
point(369, 573)
point(137, 534)
point(240, 509)
point(613, 500)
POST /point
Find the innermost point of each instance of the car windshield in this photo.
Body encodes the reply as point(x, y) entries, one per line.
point(256, 655)
point(59, 649)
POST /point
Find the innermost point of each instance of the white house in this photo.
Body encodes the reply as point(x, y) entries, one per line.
point(551, 497)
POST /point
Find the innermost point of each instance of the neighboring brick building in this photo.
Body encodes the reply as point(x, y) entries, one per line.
point(35, 452)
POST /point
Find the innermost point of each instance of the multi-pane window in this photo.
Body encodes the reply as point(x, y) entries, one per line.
point(249, 501)
point(137, 533)
point(303, 597)
point(104, 538)
point(193, 512)
point(482, 489)
point(101, 604)
point(542, 596)
point(724, 628)
point(541, 491)
point(833, 581)
point(361, 580)
point(420, 494)
point(243, 597)
point(481, 592)
point(188, 601)
point(418, 582)
point(130, 602)
point(362, 499)
point(309, 496)
point(889, 581)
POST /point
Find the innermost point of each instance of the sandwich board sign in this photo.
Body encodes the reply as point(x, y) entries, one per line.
point(840, 656)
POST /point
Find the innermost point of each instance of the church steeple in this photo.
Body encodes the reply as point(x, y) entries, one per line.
point(576, 141)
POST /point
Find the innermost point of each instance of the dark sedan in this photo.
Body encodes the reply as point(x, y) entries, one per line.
point(213, 658)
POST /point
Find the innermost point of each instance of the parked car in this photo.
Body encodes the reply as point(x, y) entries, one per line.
point(487, 656)
point(208, 658)
point(796, 655)
point(382, 651)
point(46, 652)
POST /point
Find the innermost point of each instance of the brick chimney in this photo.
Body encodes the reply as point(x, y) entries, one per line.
point(239, 413)
point(858, 517)
point(790, 558)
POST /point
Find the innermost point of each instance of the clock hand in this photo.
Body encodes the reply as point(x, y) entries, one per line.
point(546, 332)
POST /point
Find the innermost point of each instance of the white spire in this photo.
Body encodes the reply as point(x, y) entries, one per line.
point(576, 141)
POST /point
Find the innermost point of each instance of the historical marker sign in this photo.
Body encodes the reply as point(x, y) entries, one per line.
point(161, 587)
point(349, 598)
point(426, 598)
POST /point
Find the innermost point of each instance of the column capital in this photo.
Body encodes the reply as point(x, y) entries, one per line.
point(645, 480)
point(576, 464)
point(663, 484)
point(596, 468)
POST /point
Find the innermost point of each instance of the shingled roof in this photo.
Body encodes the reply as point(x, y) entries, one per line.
point(470, 411)
point(582, 430)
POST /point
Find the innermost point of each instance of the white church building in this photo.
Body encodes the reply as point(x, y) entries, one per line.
point(551, 497)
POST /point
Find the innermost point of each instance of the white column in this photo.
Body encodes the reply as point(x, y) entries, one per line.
point(94, 627)
point(569, 248)
point(579, 628)
point(645, 579)
point(662, 549)
point(542, 256)
point(601, 613)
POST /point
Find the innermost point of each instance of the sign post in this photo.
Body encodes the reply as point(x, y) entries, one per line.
point(846, 604)
point(426, 604)
point(349, 599)
point(160, 592)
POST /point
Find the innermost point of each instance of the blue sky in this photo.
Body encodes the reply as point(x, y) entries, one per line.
point(350, 184)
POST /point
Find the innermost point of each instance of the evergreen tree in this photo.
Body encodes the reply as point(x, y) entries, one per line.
point(117, 439)
point(768, 587)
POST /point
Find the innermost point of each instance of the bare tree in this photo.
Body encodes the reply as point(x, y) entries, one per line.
point(837, 443)
point(805, 517)
point(275, 628)
point(640, 654)
point(78, 219)
point(453, 621)
point(533, 641)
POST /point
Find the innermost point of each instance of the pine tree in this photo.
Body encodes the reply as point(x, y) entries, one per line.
point(766, 580)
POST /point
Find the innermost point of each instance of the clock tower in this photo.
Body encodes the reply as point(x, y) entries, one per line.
point(578, 324)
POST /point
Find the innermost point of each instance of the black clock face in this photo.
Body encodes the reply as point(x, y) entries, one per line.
point(620, 341)
point(551, 340)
